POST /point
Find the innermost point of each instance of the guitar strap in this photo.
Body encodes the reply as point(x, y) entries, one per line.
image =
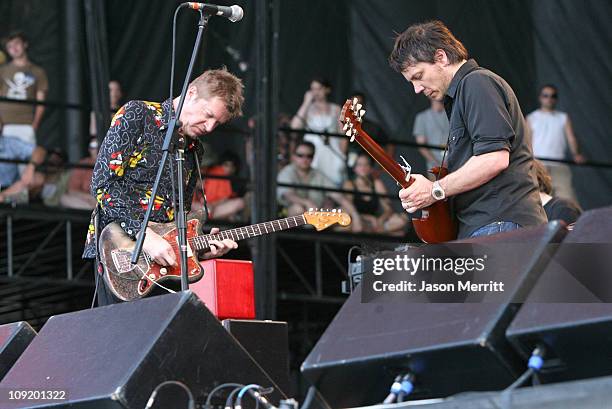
point(443, 155)
point(98, 270)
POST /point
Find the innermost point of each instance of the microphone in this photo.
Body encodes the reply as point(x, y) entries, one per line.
point(233, 13)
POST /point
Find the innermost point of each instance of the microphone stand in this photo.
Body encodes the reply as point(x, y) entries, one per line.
point(178, 144)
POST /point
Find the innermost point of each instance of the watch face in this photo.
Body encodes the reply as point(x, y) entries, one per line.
point(437, 193)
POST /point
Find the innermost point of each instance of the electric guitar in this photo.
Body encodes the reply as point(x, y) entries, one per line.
point(130, 281)
point(435, 224)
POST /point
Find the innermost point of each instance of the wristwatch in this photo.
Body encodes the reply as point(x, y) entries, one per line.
point(437, 192)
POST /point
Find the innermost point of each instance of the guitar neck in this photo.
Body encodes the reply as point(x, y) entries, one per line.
point(384, 160)
point(241, 233)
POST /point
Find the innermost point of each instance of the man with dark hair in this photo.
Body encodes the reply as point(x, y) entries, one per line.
point(21, 79)
point(491, 183)
point(552, 134)
point(126, 164)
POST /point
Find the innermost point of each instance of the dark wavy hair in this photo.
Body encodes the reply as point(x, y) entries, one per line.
point(419, 44)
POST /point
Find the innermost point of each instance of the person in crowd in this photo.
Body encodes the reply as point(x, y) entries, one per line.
point(222, 199)
point(301, 172)
point(43, 180)
point(317, 114)
point(12, 148)
point(557, 208)
point(286, 140)
point(552, 135)
point(431, 128)
point(79, 184)
point(125, 168)
point(375, 211)
point(491, 183)
point(23, 80)
point(115, 93)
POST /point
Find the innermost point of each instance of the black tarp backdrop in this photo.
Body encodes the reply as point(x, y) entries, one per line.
point(527, 42)
point(573, 41)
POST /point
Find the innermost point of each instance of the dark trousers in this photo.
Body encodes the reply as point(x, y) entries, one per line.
point(104, 294)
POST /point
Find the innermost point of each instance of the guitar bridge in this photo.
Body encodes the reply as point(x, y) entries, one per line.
point(121, 260)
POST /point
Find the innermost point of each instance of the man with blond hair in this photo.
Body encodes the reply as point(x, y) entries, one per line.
point(126, 165)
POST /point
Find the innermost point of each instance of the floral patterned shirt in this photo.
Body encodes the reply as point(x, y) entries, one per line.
point(126, 168)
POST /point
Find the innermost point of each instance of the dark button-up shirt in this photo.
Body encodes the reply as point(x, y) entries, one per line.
point(126, 168)
point(485, 116)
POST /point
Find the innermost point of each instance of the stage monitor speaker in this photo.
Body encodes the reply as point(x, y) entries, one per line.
point(268, 343)
point(586, 394)
point(14, 339)
point(448, 347)
point(115, 356)
point(577, 335)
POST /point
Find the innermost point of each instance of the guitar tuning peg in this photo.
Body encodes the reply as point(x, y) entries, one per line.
point(333, 210)
point(349, 133)
point(339, 210)
point(352, 134)
point(358, 107)
point(355, 101)
point(345, 127)
point(310, 210)
point(362, 112)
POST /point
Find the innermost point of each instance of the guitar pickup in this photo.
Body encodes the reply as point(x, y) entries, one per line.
point(189, 252)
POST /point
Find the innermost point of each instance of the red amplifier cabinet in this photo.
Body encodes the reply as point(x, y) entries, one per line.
point(227, 288)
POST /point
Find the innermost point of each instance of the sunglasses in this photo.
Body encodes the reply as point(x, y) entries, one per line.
point(304, 155)
point(554, 96)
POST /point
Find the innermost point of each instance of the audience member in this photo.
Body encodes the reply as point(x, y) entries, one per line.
point(21, 79)
point(15, 149)
point(44, 181)
point(77, 195)
point(115, 102)
point(316, 114)
point(286, 140)
point(375, 212)
point(556, 208)
point(431, 128)
point(300, 200)
point(222, 198)
point(552, 134)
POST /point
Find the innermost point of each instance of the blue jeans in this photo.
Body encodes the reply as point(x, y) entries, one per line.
point(494, 228)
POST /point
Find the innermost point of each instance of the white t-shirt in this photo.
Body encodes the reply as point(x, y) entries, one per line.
point(329, 158)
point(548, 137)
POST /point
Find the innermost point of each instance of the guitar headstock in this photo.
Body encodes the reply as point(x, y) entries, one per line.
point(322, 219)
point(351, 117)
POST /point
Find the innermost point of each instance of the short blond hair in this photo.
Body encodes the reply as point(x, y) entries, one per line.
point(222, 84)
